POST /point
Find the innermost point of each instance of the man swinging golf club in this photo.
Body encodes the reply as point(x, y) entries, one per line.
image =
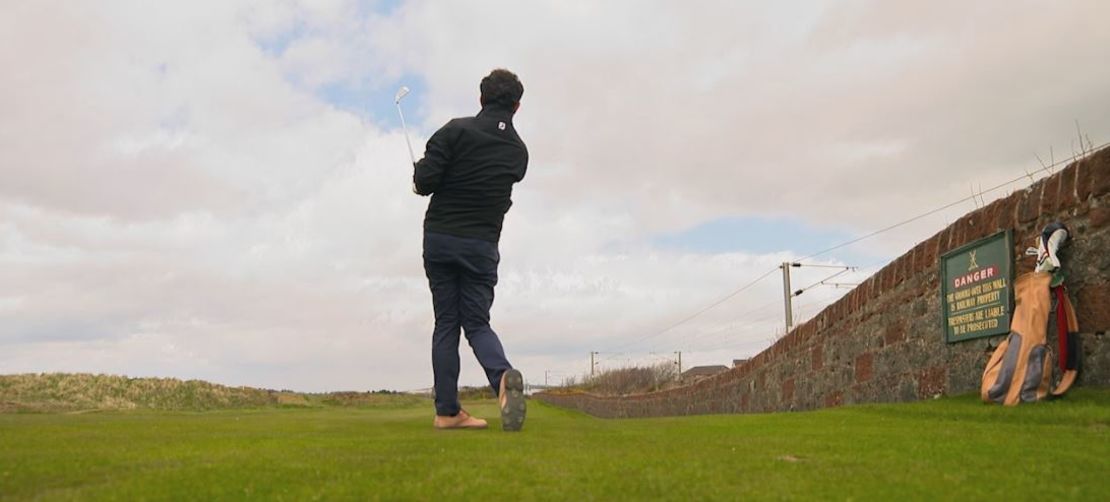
point(469, 168)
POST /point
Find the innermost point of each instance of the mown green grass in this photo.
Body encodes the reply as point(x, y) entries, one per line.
point(946, 449)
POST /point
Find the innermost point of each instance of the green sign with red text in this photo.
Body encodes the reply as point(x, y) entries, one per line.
point(976, 288)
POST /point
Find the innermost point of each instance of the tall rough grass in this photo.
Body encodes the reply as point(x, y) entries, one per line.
point(623, 381)
point(62, 392)
point(83, 391)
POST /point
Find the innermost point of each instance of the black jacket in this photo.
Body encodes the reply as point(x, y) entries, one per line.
point(469, 168)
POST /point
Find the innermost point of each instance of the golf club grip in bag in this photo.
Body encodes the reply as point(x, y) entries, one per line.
point(1020, 369)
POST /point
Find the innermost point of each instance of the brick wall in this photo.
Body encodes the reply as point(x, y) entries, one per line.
point(884, 341)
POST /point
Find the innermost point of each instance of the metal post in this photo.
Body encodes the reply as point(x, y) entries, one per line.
point(679, 376)
point(787, 294)
point(592, 354)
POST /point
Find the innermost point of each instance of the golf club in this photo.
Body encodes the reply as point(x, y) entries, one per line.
point(401, 93)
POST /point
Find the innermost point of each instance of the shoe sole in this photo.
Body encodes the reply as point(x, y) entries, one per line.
point(460, 428)
point(512, 414)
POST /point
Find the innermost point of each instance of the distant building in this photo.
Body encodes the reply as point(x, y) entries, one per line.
point(698, 372)
point(736, 363)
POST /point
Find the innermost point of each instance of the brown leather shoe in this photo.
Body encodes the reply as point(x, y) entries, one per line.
point(511, 398)
point(461, 421)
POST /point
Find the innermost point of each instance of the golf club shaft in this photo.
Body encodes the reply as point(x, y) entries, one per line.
point(406, 131)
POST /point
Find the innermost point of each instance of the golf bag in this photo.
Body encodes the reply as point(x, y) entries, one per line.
point(1020, 369)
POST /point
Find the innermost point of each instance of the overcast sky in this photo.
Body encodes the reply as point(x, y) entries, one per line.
point(221, 190)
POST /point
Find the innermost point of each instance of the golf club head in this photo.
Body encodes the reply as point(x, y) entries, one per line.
point(402, 92)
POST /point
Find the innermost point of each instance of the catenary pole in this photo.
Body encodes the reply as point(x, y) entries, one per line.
point(787, 294)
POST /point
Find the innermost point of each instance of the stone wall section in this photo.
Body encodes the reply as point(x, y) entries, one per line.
point(884, 342)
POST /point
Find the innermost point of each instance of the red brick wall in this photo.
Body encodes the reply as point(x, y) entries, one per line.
point(883, 341)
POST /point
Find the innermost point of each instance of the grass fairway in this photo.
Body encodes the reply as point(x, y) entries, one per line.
point(946, 449)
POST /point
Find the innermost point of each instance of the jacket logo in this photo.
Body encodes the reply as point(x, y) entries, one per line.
point(501, 125)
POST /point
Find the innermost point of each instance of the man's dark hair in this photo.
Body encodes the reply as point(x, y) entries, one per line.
point(502, 88)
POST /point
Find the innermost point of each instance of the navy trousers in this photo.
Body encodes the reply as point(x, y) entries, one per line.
point(462, 273)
